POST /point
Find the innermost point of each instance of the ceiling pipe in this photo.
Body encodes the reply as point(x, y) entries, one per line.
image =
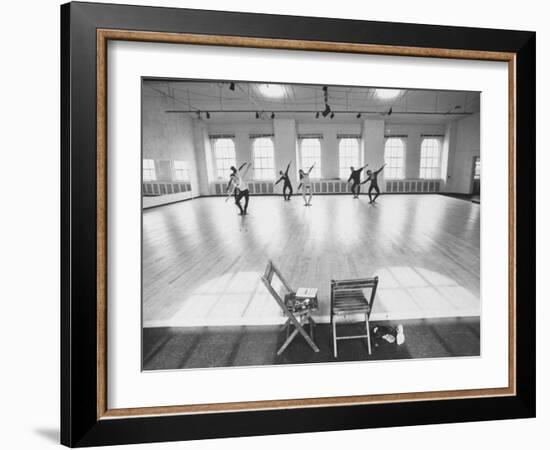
point(309, 111)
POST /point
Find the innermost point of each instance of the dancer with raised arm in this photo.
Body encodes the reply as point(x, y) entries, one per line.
point(355, 179)
point(373, 178)
point(286, 184)
point(305, 184)
point(234, 171)
point(239, 186)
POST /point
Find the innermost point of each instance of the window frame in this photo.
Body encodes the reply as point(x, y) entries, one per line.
point(184, 169)
point(346, 166)
point(148, 169)
point(262, 157)
point(431, 168)
point(319, 164)
point(232, 159)
point(388, 171)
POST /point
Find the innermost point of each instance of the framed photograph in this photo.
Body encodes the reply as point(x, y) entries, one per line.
point(277, 224)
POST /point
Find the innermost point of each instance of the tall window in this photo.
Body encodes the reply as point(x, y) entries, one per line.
point(181, 171)
point(310, 149)
point(149, 173)
point(430, 158)
point(264, 164)
point(224, 153)
point(394, 157)
point(349, 155)
point(477, 168)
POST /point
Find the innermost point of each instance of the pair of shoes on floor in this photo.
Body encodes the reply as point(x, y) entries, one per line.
point(389, 334)
point(400, 335)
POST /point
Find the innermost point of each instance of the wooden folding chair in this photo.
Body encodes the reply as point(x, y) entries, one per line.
point(349, 297)
point(297, 317)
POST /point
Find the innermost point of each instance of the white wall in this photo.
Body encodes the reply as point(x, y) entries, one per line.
point(286, 131)
point(167, 138)
point(285, 147)
point(464, 148)
point(373, 143)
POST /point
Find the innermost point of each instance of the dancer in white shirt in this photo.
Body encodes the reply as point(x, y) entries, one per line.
point(306, 185)
point(238, 184)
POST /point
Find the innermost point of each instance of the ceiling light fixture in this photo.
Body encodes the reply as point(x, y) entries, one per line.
point(257, 115)
point(232, 86)
point(317, 115)
point(207, 115)
point(272, 90)
point(326, 112)
point(358, 115)
point(387, 94)
point(332, 116)
point(273, 115)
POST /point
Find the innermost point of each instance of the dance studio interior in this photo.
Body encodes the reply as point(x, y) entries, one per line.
point(301, 224)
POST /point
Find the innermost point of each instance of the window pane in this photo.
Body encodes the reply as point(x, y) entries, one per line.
point(349, 156)
point(430, 158)
point(181, 171)
point(394, 157)
point(477, 169)
point(264, 162)
point(149, 173)
point(224, 154)
point(311, 154)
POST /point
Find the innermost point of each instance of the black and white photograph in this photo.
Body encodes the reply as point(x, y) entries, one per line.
point(275, 225)
point(300, 224)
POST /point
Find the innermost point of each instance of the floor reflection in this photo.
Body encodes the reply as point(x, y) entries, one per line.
point(202, 262)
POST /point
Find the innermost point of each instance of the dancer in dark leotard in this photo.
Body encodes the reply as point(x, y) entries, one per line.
point(373, 178)
point(355, 179)
point(240, 188)
point(287, 184)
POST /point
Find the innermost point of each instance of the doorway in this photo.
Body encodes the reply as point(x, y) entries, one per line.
point(476, 179)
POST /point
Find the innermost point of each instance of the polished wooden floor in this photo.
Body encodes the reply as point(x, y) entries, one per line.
point(202, 262)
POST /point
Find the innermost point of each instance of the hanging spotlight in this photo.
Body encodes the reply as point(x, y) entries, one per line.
point(390, 111)
point(332, 116)
point(232, 86)
point(317, 115)
point(273, 115)
point(257, 115)
point(358, 115)
point(207, 115)
point(326, 112)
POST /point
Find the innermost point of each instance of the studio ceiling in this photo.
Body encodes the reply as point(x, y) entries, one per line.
point(225, 101)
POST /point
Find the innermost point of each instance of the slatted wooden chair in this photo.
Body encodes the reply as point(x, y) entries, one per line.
point(296, 315)
point(352, 297)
